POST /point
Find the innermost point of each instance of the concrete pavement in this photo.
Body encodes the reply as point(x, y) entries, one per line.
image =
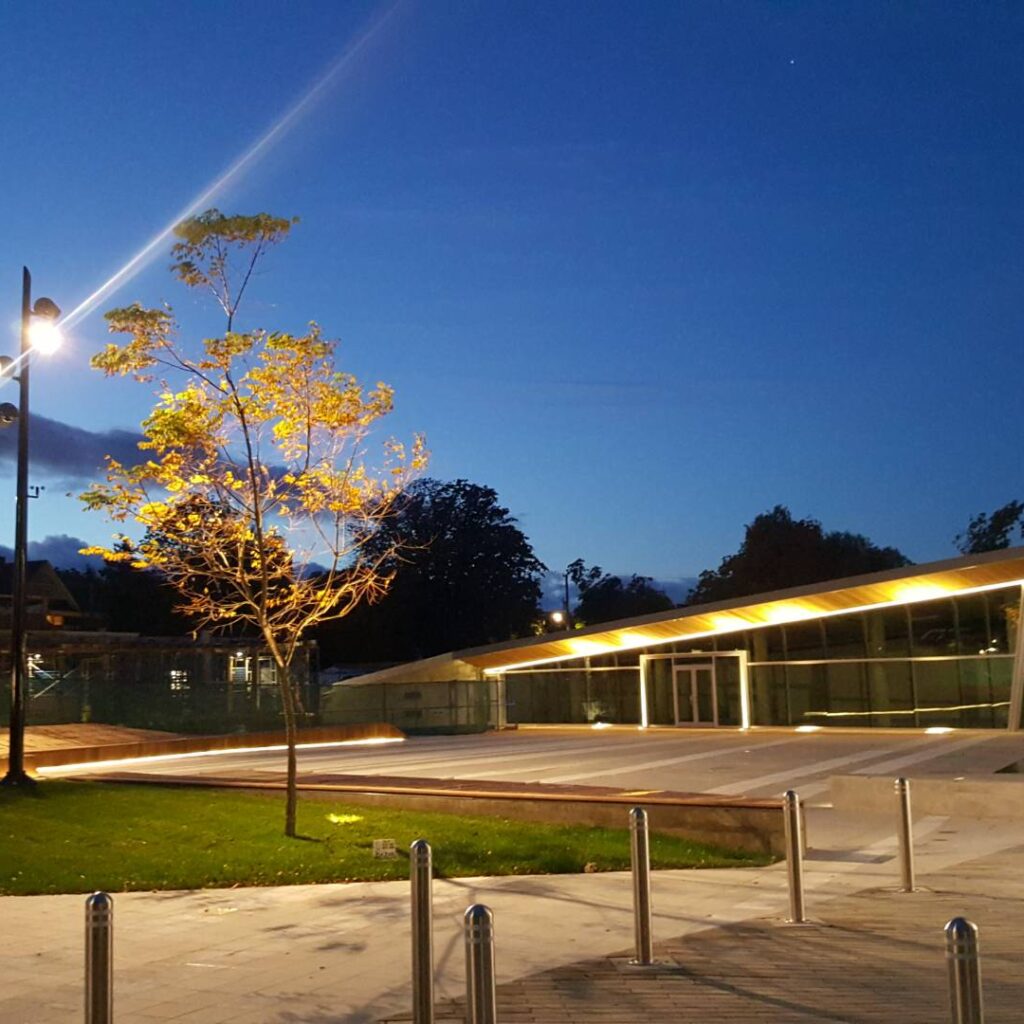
point(760, 763)
point(340, 953)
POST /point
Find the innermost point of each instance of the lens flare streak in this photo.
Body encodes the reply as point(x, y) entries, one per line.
point(258, 149)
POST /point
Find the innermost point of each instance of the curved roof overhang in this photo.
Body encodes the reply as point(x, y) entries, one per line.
point(858, 593)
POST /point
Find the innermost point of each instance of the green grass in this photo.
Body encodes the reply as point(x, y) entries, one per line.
point(79, 837)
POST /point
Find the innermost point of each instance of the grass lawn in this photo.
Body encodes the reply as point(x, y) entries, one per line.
point(78, 837)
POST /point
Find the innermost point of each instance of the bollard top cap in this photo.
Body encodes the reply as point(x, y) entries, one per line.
point(419, 846)
point(478, 913)
point(961, 928)
point(99, 901)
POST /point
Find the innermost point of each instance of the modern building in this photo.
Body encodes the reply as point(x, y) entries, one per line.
point(926, 646)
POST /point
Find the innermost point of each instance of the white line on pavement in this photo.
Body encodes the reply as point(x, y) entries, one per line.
point(631, 768)
point(902, 762)
point(790, 775)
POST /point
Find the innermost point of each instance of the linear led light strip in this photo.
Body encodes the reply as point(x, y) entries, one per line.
point(148, 759)
point(779, 615)
point(905, 711)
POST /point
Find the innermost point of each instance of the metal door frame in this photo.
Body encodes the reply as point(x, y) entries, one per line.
point(704, 656)
point(691, 669)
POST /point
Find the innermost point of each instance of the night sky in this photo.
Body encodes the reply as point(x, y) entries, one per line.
point(645, 269)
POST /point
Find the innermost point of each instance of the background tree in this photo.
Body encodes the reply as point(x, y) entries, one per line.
point(605, 598)
point(779, 551)
point(992, 532)
point(464, 575)
point(254, 468)
point(127, 600)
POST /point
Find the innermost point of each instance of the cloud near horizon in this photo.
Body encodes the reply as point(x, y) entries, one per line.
point(60, 549)
point(69, 455)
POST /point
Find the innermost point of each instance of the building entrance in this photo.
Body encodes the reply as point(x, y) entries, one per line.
point(695, 700)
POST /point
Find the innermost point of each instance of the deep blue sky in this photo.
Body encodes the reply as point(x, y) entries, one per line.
point(646, 269)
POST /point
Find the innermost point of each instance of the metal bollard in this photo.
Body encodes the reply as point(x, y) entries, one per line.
point(99, 959)
point(906, 832)
point(964, 972)
point(640, 855)
point(420, 883)
point(794, 856)
point(481, 996)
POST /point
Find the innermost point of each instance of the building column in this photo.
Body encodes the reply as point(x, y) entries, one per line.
point(1017, 679)
point(745, 719)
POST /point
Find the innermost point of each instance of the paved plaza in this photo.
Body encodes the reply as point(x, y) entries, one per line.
point(330, 954)
point(762, 762)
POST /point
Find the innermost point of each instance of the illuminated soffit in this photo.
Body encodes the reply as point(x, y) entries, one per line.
point(928, 582)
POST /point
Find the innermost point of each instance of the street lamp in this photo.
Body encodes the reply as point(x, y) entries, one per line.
point(39, 332)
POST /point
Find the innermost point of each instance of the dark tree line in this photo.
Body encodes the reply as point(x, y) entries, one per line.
point(606, 598)
point(992, 531)
point(126, 600)
point(466, 575)
point(779, 551)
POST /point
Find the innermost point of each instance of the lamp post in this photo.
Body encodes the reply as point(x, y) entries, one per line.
point(39, 334)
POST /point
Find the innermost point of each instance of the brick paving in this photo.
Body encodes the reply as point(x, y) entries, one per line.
point(878, 956)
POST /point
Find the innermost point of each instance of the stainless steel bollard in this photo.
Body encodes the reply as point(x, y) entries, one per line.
point(641, 860)
point(794, 856)
point(964, 972)
point(421, 875)
point(481, 996)
point(906, 833)
point(99, 959)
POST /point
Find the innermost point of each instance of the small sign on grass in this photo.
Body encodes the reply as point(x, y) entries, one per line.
point(384, 849)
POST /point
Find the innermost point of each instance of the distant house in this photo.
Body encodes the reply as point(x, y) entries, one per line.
point(50, 603)
point(79, 671)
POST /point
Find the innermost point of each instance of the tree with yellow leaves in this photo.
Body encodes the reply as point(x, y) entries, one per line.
point(255, 495)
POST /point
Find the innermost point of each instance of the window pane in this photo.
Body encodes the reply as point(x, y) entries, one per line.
point(1000, 674)
point(727, 680)
point(847, 692)
point(887, 632)
point(973, 629)
point(615, 696)
point(890, 688)
point(767, 644)
point(937, 684)
point(976, 689)
point(1004, 610)
point(933, 628)
point(807, 692)
point(844, 636)
point(659, 692)
point(768, 695)
point(804, 641)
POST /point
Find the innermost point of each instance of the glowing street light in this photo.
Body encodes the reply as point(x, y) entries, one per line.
point(39, 333)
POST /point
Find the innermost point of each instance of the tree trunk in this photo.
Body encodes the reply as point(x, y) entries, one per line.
point(288, 707)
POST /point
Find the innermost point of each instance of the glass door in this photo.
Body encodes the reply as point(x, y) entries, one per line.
point(694, 697)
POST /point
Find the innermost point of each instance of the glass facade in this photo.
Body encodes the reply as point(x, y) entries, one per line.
point(943, 662)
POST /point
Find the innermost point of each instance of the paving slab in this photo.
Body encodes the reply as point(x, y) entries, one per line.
point(874, 957)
